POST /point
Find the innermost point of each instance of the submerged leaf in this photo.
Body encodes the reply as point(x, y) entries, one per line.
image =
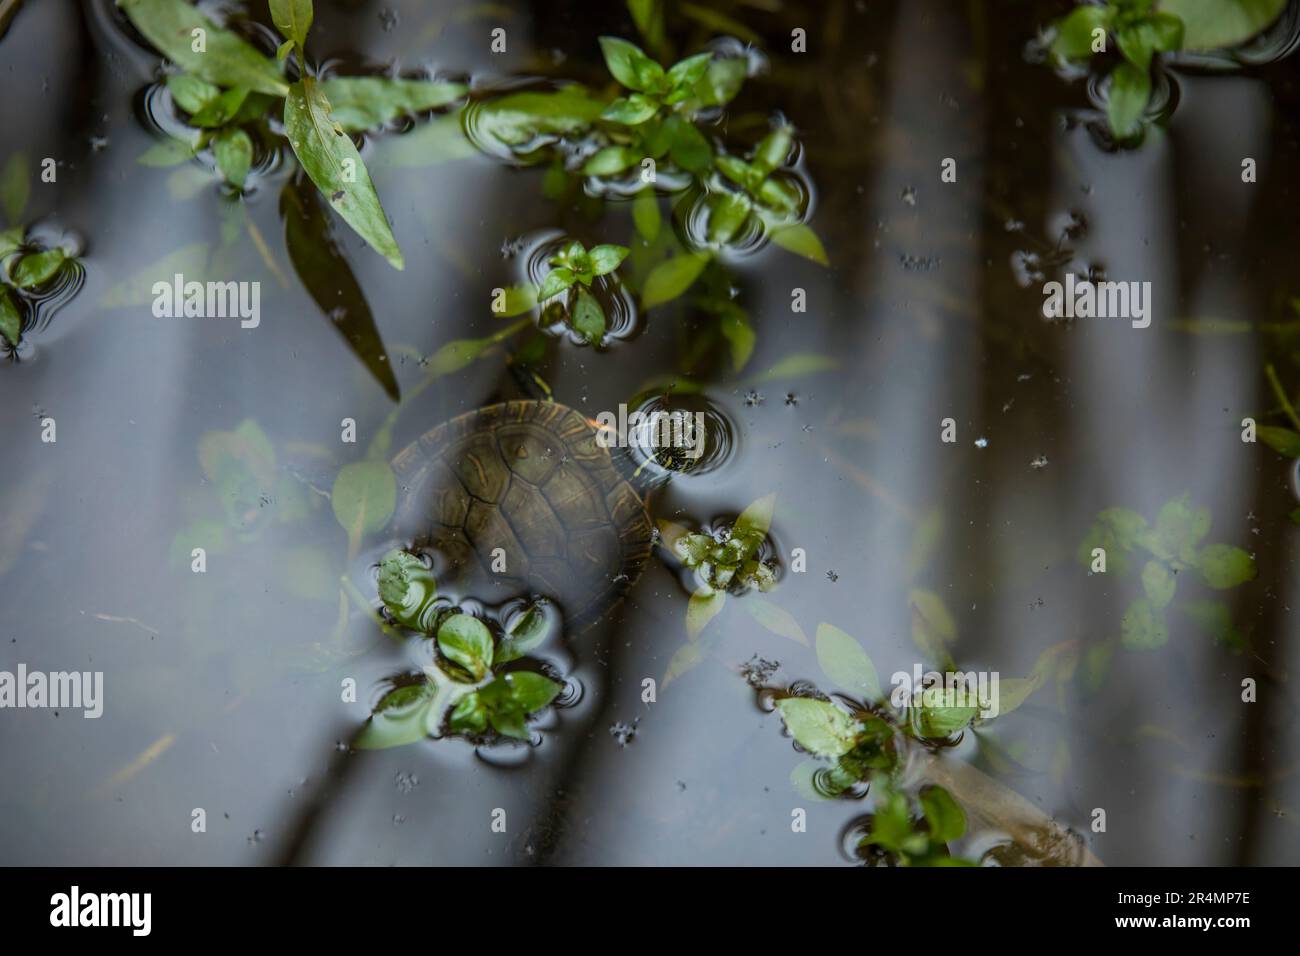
point(15, 187)
point(1225, 566)
point(845, 662)
point(1215, 24)
point(233, 151)
point(330, 158)
point(360, 103)
point(802, 241)
point(328, 279)
point(364, 495)
point(671, 278)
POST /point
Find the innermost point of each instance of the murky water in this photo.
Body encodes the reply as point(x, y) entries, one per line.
point(222, 689)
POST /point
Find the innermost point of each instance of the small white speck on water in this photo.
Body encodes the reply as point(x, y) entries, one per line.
point(1039, 462)
point(981, 442)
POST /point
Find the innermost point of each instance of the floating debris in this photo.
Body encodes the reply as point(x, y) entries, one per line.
point(406, 782)
point(981, 442)
point(1039, 462)
point(624, 733)
point(757, 672)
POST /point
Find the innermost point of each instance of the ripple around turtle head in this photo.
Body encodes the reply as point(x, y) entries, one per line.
point(661, 459)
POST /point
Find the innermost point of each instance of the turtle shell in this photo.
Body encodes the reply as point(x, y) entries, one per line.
point(530, 479)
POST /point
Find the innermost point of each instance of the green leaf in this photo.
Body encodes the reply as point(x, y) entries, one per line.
point(845, 662)
point(331, 160)
point(15, 187)
point(325, 273)
point(721, 81)
point(531, 692)
point(631, 110)
point(735, 328)
point(227, 60)
point(648, 15)
point(1143, 626)
point(684, 74)
point(802, 241)
point(221, 109)
point(606, 258)
point(363, 498)
point(645, 214)
point(1216, 24)
point(520, 117)
point(588, 318)
point(1215, 619)
point(400, 718)
point(671, 278)
point(819, 726)
point(945, 816)
point(167, 152)
point(469, 715)
point(283, 50)
point(1130, 88)
point(727, 213)
point(1225, 566)
point(1073, 39)
point(359, 103)
point(702, 608)
point(11, 240)
point(1282, 440)
point(754, 523)
point(1178, 529)
point(37, 268)
point(1158, 583)
point(1136, 44)
point(773, 150)
point(629, 65)
point(190, 93)
point(526, 632)
point(794, 366)
point(610, 161)
point(687, 145)
point(466, 640)
point(11, 322)
point(1164, 32)
point(439, 140)
point(556, 281)
point(292, 18)
point(936, 722)
point(775, 619)
point(406, 587)
point(1119, 531)
point(684, 659)
point(233, 151)
point(933, 627)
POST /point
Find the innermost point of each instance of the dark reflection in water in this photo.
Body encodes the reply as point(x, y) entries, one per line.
point(223, 688)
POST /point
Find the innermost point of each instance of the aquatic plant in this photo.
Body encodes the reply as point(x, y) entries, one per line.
point(862, 737)
point(1143, 31)
point(227, 85)
point(1173, 546)
point(27, 264)
point(468, 690)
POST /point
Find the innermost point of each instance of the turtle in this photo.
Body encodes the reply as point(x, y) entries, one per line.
point(522, 496)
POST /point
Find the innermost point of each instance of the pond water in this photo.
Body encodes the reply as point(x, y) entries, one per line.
point(222, 689)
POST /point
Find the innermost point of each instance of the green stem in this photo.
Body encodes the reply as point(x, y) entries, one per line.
point(1280, 392)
